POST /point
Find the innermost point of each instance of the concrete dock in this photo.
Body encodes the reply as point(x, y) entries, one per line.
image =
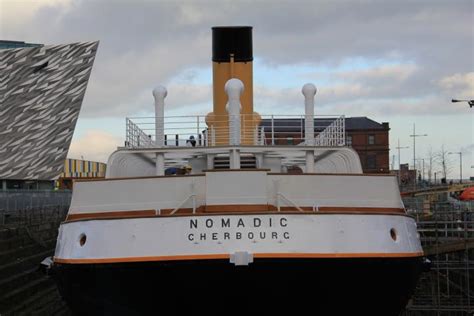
point(28, 232)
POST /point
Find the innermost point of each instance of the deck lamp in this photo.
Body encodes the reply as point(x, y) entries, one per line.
point(470, 102)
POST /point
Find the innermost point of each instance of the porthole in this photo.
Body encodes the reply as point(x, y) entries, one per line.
point(393, 234)
point(82, 239)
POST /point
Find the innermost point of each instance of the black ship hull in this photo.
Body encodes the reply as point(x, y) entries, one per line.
point(378, 286)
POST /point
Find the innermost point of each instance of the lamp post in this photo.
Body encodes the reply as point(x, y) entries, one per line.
point(399, 162)
point(460, 163)
point(435, 176)
point(422, 168)
point(414, 152)
point(470, 102)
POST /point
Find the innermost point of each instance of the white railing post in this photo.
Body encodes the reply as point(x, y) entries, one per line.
point(309, 91)
point(210, 161)
point(276, 184)
point(127, 133)
point(309, 161)
point(160, 94)
point(160, 164)
point(331, 127)
point(213, 136)
point(244, 133)
point(197, 131)
point(343, 130)
point(255, 136)
point(273, 132)
point(234, 88)
point(234, 158)
point(259, 160)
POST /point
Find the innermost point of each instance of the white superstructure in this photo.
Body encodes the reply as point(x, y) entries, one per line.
point(327, 209)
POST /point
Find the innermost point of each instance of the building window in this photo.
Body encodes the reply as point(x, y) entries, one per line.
point(349, 140)
point(371, 139)
point(371, 161)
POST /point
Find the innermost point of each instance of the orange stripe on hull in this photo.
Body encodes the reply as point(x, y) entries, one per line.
point(224, 256)
point(144, 259)
point(339, 255)
point(113, 214)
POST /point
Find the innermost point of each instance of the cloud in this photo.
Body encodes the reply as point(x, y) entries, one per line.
point(95, 145)
point(397, 73)
point(396, 107)
point(145, 43)
point(352, 100)
point(460, 85)
point(469, 149)
point(15, 14)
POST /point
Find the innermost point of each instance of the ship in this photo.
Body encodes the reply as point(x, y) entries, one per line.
point(237, 208)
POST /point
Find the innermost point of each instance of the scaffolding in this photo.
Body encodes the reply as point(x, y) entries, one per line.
point(446, 228)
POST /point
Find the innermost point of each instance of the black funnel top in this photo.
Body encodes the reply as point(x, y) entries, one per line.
point(235, 40)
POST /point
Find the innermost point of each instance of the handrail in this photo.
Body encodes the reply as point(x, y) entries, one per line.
point(268, 130)
point(136, 137)
point(184, 202)
point(287, 200)
point(315, 207)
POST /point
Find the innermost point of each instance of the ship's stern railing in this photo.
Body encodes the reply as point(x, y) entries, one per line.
point(234, 127)
point(333, 135)
point(262, 130)
point(135, 137)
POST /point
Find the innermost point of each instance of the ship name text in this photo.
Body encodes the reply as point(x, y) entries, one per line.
point(238, 228)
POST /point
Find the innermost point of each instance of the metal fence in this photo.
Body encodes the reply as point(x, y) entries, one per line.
point(135, 137)
point(20, 206)
point(214, 130)
point(14, 200)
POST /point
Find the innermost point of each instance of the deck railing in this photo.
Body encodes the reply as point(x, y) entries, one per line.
point(136, 137)
point(202, 131)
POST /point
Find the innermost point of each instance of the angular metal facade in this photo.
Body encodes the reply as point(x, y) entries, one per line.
point(41, 93)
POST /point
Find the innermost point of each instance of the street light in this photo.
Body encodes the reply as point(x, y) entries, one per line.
point(470, 102)
point(423, 168)
point(414, 153)
point(460, 163)
point(399, 162)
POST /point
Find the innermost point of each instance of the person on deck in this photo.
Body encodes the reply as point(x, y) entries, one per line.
point(191, 141)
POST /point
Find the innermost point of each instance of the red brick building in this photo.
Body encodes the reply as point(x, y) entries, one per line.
point(407, 175)
point(369, 138)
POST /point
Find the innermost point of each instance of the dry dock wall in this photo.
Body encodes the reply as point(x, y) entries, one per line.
point(29, 222)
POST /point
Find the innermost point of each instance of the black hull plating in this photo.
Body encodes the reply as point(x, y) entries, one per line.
point(331, 286)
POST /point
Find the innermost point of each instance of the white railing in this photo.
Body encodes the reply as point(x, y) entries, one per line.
point(136, 137)
point(269, 130)
point(333, 135)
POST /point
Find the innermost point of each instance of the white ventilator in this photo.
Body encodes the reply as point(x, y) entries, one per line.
point(234, 89)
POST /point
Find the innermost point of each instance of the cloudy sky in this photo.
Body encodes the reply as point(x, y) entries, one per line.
point(393, 61)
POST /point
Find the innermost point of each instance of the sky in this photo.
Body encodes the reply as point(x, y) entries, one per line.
point(393, 61)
